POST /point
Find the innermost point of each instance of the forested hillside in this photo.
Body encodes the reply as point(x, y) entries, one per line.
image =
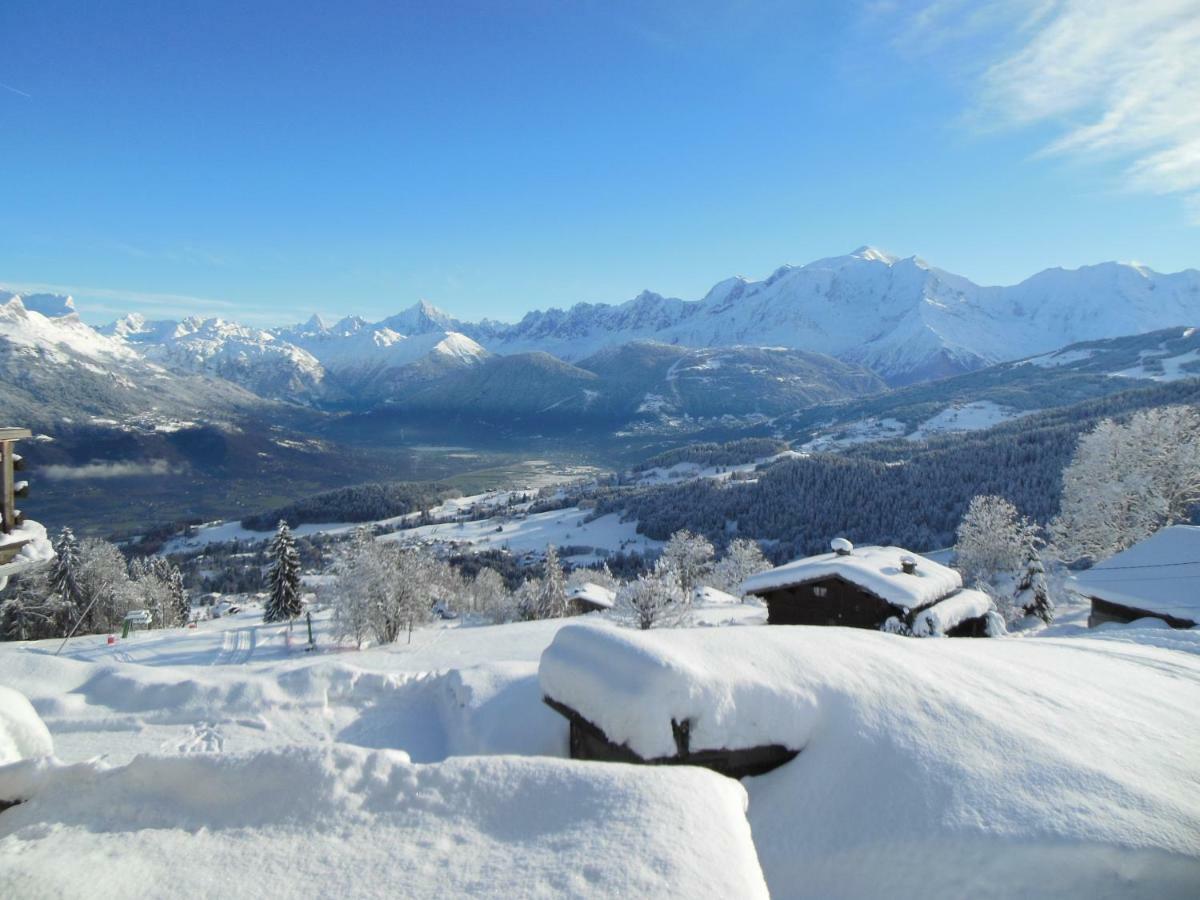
point(906, 493)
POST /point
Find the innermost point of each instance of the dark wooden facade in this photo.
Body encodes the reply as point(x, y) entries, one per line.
point(10, 463)
point(1105, 611)
point(835, 601)
point(829, 601)
point(589, 742)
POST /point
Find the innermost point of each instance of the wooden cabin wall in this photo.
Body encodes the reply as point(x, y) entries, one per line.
point(842, 603)
point(1104, 611)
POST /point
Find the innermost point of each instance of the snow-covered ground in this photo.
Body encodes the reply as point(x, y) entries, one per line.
point(530, 534)
point(226, 760)
point(690, 471)
point(955, 418)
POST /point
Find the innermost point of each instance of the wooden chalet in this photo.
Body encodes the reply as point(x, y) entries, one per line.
point(872, 587)
point(1156, 578)
point(589, 597)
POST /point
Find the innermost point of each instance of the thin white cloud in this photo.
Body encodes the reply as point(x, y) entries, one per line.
point(1120, 80)
point(9, 87)
point(102, 469)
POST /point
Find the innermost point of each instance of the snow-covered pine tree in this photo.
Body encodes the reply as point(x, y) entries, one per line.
point(179, 596)
point(552, 597)
point(1033, 593)
point(283, 602)
point(64, 581)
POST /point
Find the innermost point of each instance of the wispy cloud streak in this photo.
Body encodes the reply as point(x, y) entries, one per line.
point(1119, 80)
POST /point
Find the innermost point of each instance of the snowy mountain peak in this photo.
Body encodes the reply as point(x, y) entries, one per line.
point(51, 306)
point(874, 254)
point(420, 318)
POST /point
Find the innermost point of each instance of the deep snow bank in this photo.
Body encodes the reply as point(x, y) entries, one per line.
point(936, 768)
point(356, 823)
point(22, 732)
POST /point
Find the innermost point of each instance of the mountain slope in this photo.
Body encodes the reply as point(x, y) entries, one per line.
point(249, 357)
point(979, 399)
point(645, 382)
point(54, 368)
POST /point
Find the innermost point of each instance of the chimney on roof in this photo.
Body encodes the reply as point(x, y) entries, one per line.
point(841, 546)
point(908, 564)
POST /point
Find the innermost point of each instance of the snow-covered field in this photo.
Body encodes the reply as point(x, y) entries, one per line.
point(508, 526)
point(690, 471)
point(225, 760)
point(955, 418)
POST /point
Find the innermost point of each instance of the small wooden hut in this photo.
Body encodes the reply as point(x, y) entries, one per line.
point(871, 587)
point(589, 597)
point(1156, 578)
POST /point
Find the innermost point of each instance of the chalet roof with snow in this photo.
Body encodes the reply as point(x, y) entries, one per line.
point(878, 570)
point(1160, 575)
point(593, 594)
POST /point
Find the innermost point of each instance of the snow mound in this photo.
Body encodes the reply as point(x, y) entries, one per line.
point(876, 569)
point(938, 768)
point(359, 823)
point(23, 735)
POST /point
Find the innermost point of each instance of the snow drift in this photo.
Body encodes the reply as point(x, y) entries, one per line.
point(299, 821)
point(938, 768)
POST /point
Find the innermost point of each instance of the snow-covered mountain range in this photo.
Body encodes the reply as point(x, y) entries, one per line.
point(903, 319)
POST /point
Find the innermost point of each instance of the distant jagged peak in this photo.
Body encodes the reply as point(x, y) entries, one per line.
point(52, 306)
point(420, 318)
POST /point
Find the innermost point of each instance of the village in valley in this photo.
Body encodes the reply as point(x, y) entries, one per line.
point(516, 652)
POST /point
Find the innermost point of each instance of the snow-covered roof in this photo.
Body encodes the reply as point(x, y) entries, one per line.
point(595, 594)
point(876, 569)
point(1160, 574)
point(954, 610)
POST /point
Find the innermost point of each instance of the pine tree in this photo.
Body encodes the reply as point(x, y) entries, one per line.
point(179, 597)
point(64, 581)
point(284, 578)
point(1033, 594)
point(552, 597)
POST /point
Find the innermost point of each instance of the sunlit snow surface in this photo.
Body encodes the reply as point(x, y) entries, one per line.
point(236, 763)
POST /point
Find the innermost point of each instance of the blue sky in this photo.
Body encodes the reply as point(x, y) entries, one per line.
point(267, 160)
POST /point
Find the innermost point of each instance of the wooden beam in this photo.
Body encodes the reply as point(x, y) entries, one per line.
point(8, 503)
point(14, 434)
